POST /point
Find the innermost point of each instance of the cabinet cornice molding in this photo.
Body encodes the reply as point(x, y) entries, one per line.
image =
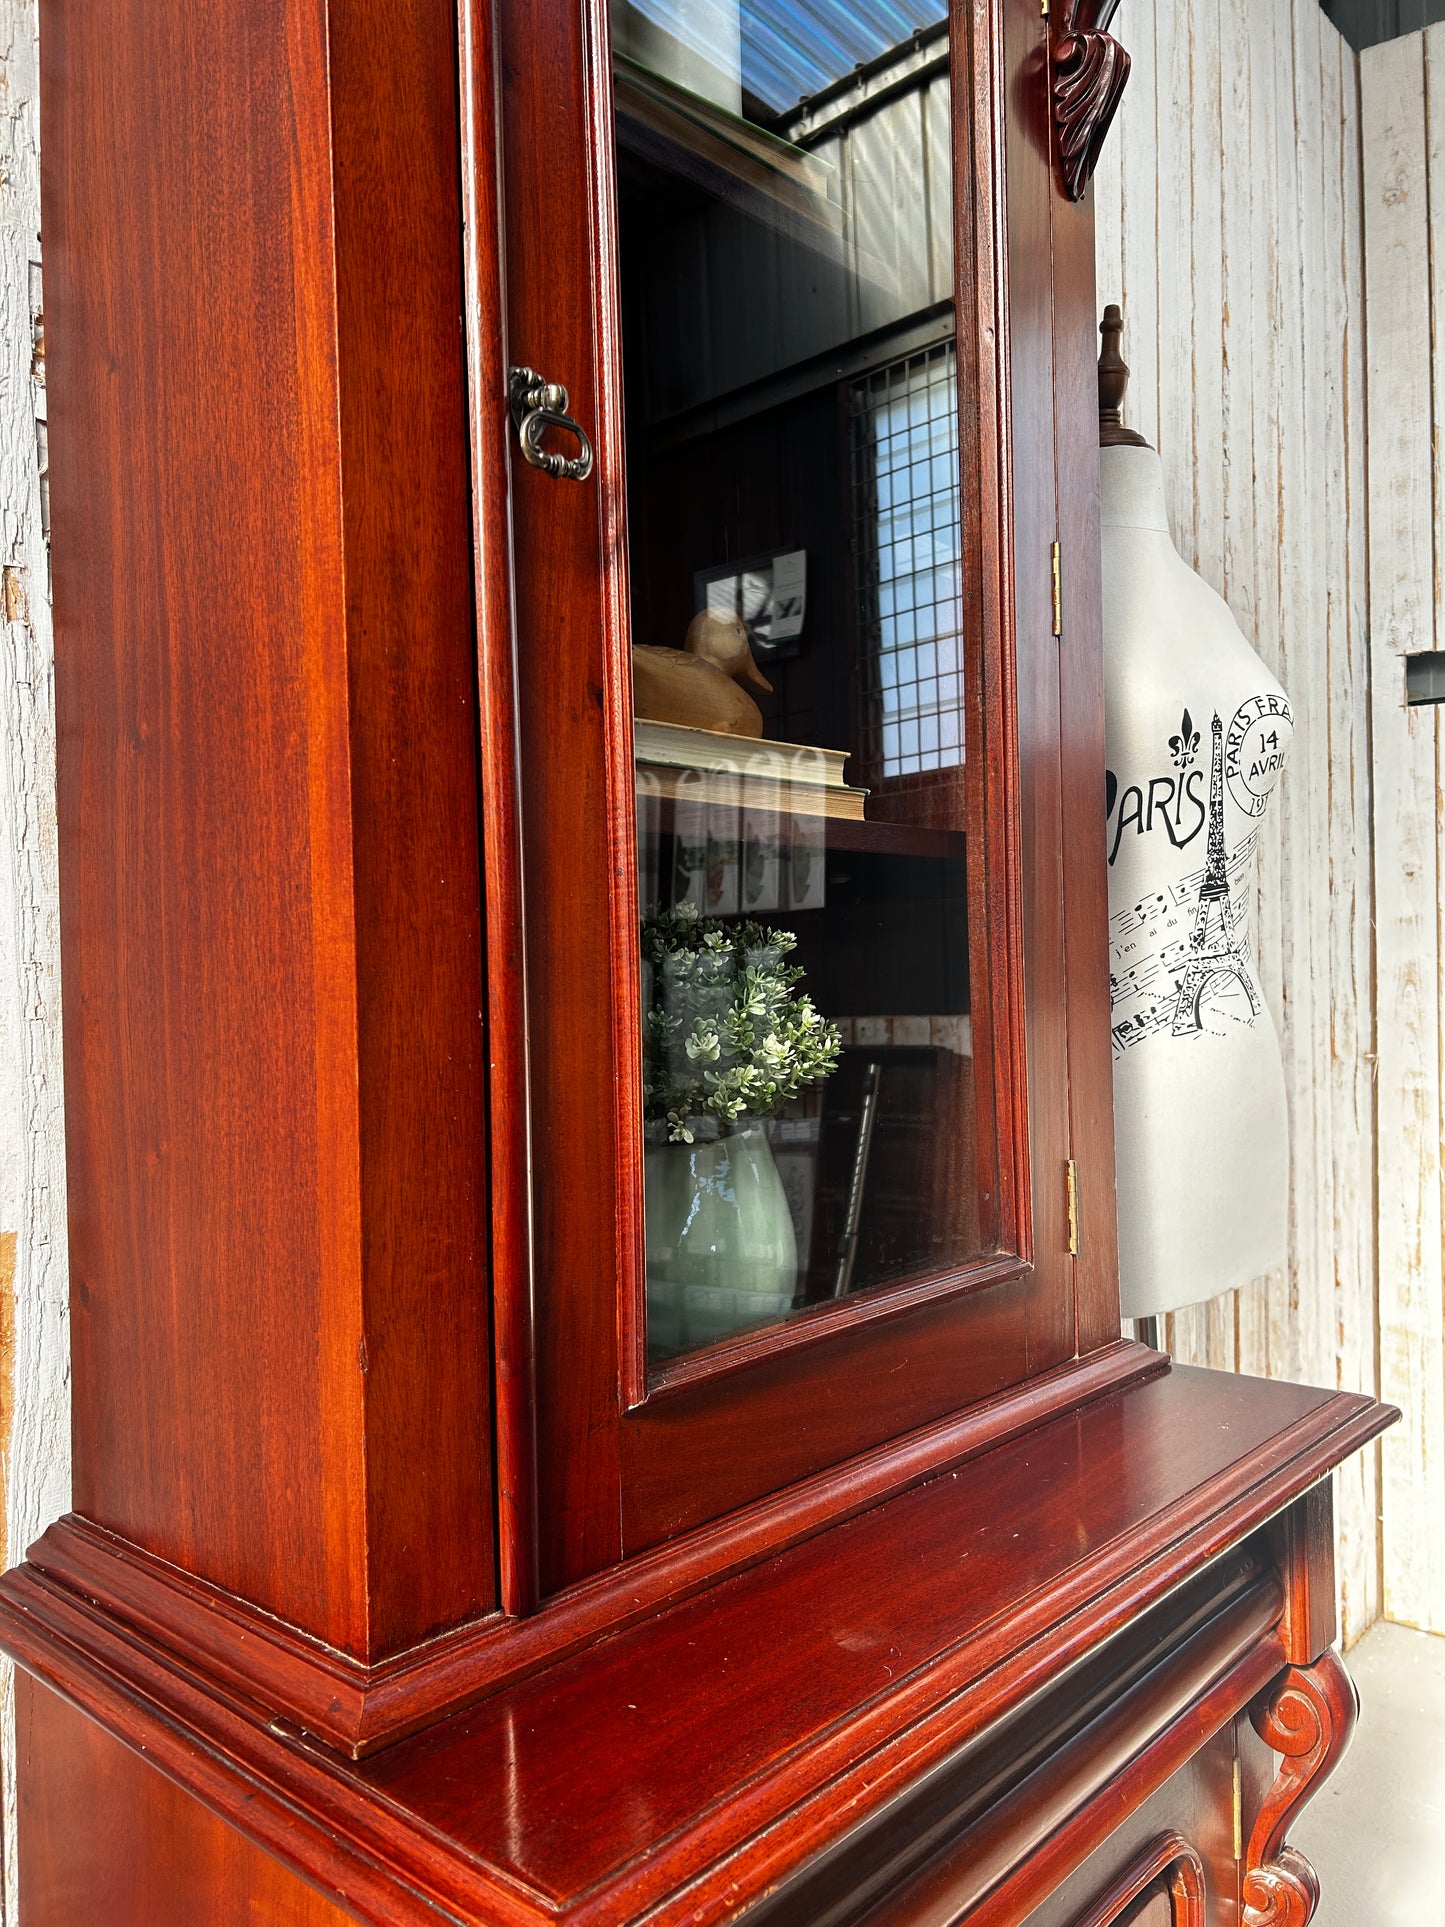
point(1089, 71)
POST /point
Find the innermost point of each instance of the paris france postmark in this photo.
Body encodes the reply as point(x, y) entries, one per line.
point(1256, 745)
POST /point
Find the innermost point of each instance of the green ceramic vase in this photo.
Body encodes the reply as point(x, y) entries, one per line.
point(721, 1254)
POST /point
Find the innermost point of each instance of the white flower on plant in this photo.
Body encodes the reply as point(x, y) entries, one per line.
point(704, 1046)
point(727, 1033)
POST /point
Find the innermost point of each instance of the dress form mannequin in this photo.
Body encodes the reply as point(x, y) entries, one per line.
point(1198, 732)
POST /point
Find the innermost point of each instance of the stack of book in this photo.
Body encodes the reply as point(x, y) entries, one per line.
point(779, 776)
point(747, 820)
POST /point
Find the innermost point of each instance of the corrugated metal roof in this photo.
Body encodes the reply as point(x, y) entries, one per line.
point(795, 48)
point(791, 49)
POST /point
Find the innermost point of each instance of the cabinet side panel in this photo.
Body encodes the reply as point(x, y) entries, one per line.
point(405, 479)
point(1081, 712)
point(207, 941)
point(1025, 137)
point(104, 1837)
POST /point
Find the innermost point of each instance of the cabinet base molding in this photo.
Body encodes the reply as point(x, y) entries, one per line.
point(359, 1707)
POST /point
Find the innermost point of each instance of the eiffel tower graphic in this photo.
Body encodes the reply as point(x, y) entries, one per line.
point(1215, 952)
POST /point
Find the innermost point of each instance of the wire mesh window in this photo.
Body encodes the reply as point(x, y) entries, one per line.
point(906, 545)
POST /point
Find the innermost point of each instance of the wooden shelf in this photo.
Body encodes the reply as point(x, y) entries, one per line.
point(849, 833)
point(896, 839)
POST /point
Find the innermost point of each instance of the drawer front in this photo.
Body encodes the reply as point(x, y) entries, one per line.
point(1170, 1864)
point(1165, 1886)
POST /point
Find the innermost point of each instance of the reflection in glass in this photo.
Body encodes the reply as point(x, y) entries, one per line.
point(801, 672)
point(729, 1040)
point(905, 536)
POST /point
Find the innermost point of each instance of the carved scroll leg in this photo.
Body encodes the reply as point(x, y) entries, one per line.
point(1308, 1716)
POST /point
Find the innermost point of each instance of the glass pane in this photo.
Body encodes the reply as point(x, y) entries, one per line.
point(801, 664)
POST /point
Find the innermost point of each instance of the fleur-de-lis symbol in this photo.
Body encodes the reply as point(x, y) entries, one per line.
point(1185, 746)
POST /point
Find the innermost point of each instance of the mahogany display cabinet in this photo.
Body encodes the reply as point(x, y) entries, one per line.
point(598, 1388)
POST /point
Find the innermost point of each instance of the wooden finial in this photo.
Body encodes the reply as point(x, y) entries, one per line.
point(1113, 380)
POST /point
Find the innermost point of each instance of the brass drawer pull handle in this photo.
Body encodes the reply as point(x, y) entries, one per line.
point(538, 405)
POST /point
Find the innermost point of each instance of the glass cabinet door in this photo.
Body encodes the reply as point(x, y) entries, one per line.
point(777, 762)
point(803, 681)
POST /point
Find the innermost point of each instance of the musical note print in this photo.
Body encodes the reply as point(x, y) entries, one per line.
point(1149, 949)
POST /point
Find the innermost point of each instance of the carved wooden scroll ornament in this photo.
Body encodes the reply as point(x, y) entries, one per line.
point(1307, 1716)
point(1089, 70)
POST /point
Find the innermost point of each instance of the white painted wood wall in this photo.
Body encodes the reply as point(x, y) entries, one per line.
point(1229, 229)
point(1403, 118)
point(34, 1369)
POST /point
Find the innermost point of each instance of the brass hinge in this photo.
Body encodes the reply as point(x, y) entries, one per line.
point(1238, 1814)
point(1072, 1180)
point(1058, 591)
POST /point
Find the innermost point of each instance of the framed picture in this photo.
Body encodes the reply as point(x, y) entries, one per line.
point(768, 593)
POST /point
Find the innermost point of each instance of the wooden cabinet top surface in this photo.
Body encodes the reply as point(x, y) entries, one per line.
point(818, 1684)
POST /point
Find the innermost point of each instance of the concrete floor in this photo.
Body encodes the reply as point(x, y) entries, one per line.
point(1375, 1832)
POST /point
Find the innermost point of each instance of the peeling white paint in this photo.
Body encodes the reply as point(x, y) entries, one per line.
point(1229, 227)
point(1403, 96)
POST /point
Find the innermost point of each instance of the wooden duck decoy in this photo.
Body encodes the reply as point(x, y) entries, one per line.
point(697, 685)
